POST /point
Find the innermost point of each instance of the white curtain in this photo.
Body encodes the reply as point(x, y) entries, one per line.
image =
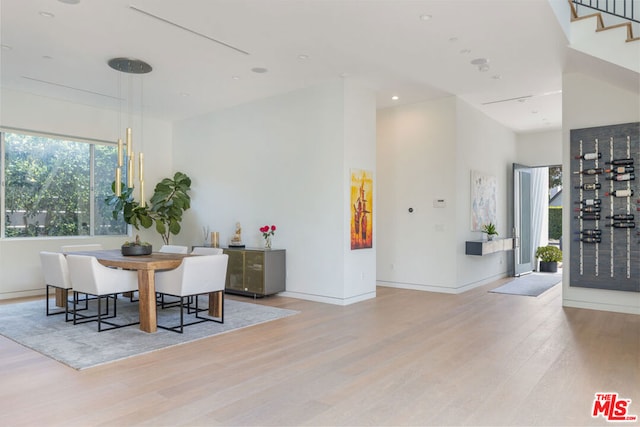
point(539, 208)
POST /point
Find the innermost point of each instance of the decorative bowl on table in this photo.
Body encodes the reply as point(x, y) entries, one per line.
point(137, 247)
point(134, 250)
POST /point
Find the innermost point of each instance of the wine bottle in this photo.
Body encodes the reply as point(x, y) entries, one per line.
point(588, 216)
point(621, 217)
point(588, 209)
point(621, 177)
point(590, 239)
point(620, 193)
point(617, 162)
point(589, 156)
point(622, 224)
point(591, 186)
point(590, 202)
point(590, 232)
point(620, 169)
point(592, 171)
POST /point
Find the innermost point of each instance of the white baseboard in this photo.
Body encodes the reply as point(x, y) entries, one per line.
point(329, 300)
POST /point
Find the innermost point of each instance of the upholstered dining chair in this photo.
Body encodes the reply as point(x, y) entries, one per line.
point(196, 275)
point(78, 248)
point(174, 249)
point(198, 250)
point(90, 277)
point(56, 275)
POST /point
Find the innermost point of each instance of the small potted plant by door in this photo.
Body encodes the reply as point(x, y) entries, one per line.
point(549, 257)
point(490, 230)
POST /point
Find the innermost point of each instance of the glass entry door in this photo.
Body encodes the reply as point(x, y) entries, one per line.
point(522, 250)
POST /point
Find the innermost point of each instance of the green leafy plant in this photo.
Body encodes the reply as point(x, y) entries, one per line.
point(136, 242)
point(549, 253)
point(490, 229)
point(169, 201)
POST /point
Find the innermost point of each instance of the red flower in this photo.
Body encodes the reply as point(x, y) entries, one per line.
point(268, 230)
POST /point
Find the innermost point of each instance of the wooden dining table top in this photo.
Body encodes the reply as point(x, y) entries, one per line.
point(153, 261)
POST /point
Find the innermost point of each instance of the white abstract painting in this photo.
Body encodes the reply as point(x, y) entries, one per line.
point(483, 199)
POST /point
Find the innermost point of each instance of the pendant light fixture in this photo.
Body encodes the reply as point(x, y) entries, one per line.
point(130, 66)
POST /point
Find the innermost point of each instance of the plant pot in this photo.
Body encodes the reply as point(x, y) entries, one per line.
point(548, 267)
point(136, 250)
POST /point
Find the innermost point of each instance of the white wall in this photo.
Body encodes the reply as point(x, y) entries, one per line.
point(588, 102)
point(19, 260)
point(416, 164)
point(539, 148)
point(426, 151)
point(359, 153)
point(285, 161)
point(486, 146)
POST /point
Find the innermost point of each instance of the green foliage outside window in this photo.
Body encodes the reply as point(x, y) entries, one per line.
point(555, 222)
point(48, 187)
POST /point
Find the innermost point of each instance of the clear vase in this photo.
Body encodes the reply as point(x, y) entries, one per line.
point(267, 242)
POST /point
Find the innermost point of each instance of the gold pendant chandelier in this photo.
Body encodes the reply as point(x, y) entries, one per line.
point(130, 66)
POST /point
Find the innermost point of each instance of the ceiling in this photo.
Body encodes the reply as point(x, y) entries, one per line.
point(203, 52)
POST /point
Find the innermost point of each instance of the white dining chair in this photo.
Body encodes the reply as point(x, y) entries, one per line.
point(199, 250)
point(56, 275)
point(90, 277)
point(78, 248)
point(174, 249)
point(196, 275)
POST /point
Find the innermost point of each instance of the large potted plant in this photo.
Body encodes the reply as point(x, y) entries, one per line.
point(549, 257)
point(169, 201)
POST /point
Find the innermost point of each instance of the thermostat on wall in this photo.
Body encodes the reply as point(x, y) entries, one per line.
point(439, 203)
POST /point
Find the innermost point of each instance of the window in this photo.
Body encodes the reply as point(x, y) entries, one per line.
point(57, 187)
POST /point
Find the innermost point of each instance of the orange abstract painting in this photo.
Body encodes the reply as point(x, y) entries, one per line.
point(361, 209)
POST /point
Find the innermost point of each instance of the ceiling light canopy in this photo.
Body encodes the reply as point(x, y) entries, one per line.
point(130, 65)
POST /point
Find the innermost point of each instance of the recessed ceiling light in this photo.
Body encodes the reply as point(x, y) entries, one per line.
point(534, 111)
point(453, 39)
point(259, 70)
point(496, 77)
point(465, 51)
point(425, 17)
point(481, 63)
point(303, 56)
point(395, 97)
point(46, 14)
point(343, 75)
point(184, 94)
point(235, 77)
point(69, 1)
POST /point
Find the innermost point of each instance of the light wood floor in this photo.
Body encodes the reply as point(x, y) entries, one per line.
point(405, 358)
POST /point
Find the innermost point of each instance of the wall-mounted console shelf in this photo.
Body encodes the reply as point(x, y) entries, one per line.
point(485, 247)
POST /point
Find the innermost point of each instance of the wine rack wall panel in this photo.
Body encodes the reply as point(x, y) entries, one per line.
point(605, 244)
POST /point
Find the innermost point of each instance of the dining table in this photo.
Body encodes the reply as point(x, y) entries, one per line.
point(146, 266)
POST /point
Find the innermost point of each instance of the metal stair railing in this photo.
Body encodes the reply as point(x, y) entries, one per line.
point(621, 8)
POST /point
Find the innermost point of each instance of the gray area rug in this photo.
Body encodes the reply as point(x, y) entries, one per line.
point(81, 346)
point(532, 284)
